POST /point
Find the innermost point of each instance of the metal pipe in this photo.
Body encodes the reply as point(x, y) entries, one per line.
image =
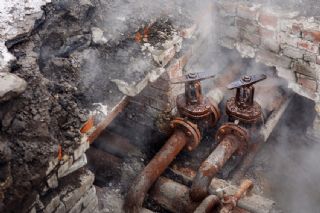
point(207, 204)
point(172, 196)
point(211, 166)
point(153, 170)
point(230, 202)
point(253, 203)
point(264, 133)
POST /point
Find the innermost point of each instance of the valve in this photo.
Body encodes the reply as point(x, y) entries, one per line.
point(192, 105)
point(242, 107)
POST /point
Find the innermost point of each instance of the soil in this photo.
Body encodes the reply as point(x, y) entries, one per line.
point(66, 74)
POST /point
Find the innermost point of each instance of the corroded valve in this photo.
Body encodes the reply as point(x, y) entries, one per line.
point(242, 107)
point(192, 104)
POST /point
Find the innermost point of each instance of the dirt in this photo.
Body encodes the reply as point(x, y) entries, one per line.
point(66, 73)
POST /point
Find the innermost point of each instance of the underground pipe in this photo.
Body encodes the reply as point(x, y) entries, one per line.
point(230, 202)
point(253, 203)
point(153, 170)
point(264, 134)
point(208, 204)
point(241, 109)
point(172, 196)
point(232, 138)
point(197, 114)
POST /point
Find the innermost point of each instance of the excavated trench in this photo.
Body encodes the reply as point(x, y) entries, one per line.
point(97, 99)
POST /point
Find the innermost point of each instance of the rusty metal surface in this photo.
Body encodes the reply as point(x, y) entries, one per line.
point(107, 120)
point(264, 133)
point(192, 104)
point(242, 107)
point(239, 132)
point(190, 129)
point(210, 167)
point(230, 201)
point(253, 203)
point(153, 170)
point(172, 196)
point(208, 204)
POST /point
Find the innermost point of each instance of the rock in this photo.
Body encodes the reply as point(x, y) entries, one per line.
point(5, 151)
point(97, 36)
point(11, 86)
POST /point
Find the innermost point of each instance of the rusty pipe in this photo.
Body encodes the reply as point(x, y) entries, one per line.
point(211, 166)
point(153, 170)
point(208, 204)
point(230, 202)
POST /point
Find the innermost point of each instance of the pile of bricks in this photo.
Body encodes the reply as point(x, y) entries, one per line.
point(275, 37)
point(69, 186)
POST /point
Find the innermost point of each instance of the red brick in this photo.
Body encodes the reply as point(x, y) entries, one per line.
point(268, 19)
point(307, 83)
point(311, 35)
point(308, 46)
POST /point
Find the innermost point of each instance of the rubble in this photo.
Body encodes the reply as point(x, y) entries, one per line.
point(11, 86)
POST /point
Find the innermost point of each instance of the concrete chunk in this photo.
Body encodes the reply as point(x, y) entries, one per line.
point(11, 86)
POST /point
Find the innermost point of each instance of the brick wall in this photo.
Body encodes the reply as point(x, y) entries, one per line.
point(275, 37)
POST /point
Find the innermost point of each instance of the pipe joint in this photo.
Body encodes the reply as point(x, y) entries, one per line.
point(190, 129)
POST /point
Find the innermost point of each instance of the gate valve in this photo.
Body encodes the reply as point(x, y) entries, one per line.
point(192, 104)
point(242, 107)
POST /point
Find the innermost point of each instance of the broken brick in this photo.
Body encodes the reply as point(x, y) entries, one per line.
point(311, 35)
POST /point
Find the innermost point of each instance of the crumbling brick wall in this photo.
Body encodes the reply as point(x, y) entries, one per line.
point(275, 37)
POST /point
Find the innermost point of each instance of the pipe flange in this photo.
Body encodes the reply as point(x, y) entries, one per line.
point(190, 129)
point(216, 115)
point(233, 129)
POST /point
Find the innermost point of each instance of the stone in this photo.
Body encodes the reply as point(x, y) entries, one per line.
point(77, 207)
point(11, 86)
point(90, 195)
point(52, 165)
point(81, 162)
point(61, 208)
point(310, 57)
point(270, 45)
point(268, 19)
point(227, 42)
point(272, 59)
point(307, 83)
point(311, 34)
point(65, 167)
point(245, 50)
point(248, 11)
point(71, 198)
point(227, 8)
point(292, 52)
point(97, 36)
point(308, 46)
point(305, 68)
point(286, 74)
point(84, 146)
point(53, 205)
point(53, 181)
